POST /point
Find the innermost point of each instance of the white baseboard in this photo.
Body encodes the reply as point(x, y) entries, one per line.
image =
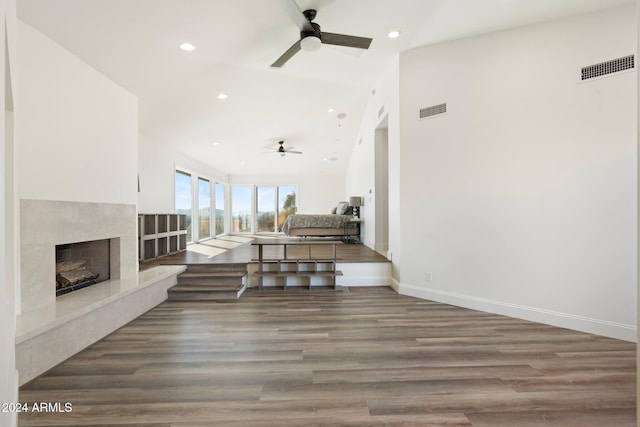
point(549, 317)
point(395, 285)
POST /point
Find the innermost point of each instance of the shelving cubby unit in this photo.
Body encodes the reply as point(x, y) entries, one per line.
point(160, 235)
point(296, 272)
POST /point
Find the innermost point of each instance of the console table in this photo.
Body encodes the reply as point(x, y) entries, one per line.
point(300, 268)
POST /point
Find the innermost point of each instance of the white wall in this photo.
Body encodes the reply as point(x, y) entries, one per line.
point(76, 131)
point(360, 179)
point(157, 168)
point(638, 220)
point(522, 199)
point(76, 137)
point(8, 291)
point(317, 194)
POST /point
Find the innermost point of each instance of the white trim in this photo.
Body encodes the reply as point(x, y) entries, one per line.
point(554, 318)
point(395, 285)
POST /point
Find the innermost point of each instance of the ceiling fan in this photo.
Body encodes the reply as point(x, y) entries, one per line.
point(311, 38)
point(282, 150)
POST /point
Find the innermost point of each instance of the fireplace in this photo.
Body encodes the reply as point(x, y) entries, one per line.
point(49, 329)
point(82, 264)
point(45, 224)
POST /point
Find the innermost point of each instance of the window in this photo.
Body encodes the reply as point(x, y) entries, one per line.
point(266, 209)
point(286, 203)
point(274, 205)
point(204, 209)
point(219, 209)
point(241, 209)
point(184, 199)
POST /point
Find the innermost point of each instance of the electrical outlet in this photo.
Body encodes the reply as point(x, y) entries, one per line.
point(428, 276)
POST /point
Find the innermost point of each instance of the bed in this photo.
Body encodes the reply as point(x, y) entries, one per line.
point(306, 225)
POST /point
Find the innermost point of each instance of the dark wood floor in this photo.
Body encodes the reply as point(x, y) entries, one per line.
point(362, 356)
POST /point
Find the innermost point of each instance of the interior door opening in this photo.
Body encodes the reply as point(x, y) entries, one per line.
point(382, 187)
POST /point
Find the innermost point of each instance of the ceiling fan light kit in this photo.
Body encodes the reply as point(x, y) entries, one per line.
point(310, 35)
point(310, 43)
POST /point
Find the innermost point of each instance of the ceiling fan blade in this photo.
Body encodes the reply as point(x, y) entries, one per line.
point(293, 152)
point(287, 55)
point(296, 15)
point(345, 40)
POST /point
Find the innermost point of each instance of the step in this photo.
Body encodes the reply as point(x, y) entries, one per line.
point(210, 281)
point(206, 268)
point(204, 293)
point(213, 274)
point(189, 287)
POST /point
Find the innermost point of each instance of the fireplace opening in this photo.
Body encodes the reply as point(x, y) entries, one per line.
point(82, 264)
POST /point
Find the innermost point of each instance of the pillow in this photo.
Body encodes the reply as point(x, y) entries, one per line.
point(333, 211)
point(342, 208)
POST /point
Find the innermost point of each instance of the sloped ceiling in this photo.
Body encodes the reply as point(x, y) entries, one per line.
point(135, 43)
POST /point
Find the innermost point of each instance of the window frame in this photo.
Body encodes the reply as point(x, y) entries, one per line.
point(200, 179)
point(190, 218)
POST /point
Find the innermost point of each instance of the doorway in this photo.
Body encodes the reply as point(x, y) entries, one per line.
point(382, 187)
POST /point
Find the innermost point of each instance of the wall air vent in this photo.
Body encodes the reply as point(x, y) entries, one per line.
point(434, 110)
point(608, 67)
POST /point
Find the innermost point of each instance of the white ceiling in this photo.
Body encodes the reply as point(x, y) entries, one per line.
point(135, 43)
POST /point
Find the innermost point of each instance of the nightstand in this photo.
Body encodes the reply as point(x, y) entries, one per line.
point(350, 225)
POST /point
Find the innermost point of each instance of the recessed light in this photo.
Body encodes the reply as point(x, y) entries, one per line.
point(223, 96)
point(394, 34)
point(216, 143)
point(331, 110)
point(187, 47)
point(325, 160)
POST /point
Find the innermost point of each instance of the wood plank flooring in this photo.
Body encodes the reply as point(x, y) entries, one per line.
point(359, 357)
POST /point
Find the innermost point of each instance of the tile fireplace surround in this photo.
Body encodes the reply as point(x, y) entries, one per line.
point(45, 224)
point(51, 329)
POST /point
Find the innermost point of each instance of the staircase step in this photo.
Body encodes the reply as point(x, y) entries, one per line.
point(190, 287)
point(206, 268)
point(204, 293)
point(213, 274)
point(210, 281)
